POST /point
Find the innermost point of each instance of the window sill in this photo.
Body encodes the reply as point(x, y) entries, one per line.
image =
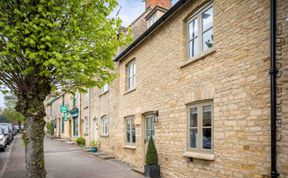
point(194, 59)
point(129, 91)
point(133, 147)
point(103, 93)
point(104, 135)
point(198, 155)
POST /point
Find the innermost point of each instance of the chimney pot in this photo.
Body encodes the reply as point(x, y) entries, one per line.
point(162, 3)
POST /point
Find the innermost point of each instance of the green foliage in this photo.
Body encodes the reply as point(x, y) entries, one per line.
point(80, 141)
point(151, 155)
point(13, 116)
point(67, 44)
point(94, 143)
point(50, 127)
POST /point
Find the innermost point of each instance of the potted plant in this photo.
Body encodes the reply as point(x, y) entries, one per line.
point(94, 146)
point(152, 169)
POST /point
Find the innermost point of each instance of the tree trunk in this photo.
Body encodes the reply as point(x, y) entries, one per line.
point(19, 125)
point(34, 147)
point(32, 107)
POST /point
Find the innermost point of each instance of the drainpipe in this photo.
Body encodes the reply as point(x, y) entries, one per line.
point(273, 73)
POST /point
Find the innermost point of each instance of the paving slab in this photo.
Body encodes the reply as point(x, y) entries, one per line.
point(68, 161)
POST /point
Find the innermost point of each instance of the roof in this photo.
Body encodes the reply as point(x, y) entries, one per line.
point(150, 30)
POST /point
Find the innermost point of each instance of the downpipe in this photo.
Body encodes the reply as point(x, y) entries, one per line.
point(273, 95)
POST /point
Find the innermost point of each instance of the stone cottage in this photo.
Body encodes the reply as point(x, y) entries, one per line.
point(196, 79)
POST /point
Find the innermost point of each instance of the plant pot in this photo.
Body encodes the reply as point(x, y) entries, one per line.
point(152, 171)
point(94, 149)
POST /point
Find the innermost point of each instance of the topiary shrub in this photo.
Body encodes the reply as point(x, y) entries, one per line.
point(151, 155)
point(80, 141)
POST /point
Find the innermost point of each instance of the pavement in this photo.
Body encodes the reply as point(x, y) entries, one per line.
point(63, 161)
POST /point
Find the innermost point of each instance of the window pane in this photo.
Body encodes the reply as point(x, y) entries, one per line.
point(207, 138)
point(207, 115)
point(193, 29)
point(128, 136)
point(208, 39)
point(195, 47)
point(133, 131)
point(193, 117)
point(207, 18)
point(134, 69)
point(193, 138)
point(190, 49)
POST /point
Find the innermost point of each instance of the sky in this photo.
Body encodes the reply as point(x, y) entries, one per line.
point(130, 10)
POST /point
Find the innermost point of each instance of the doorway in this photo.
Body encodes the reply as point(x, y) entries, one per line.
point(149, 130)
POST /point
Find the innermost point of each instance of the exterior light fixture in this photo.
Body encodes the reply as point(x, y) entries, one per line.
point(156, 115)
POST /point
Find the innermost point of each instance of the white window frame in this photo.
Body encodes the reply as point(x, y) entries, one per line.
point(153, 18)
point(105, 126)
point(131, 120)
point(199, 138)
point(87, 98)
point(131, 76)
point(86, 125)
point(198, 15)
point(105, 88)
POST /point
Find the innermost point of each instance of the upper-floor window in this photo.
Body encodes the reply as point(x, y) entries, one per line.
point(152, 20)
point(105, 88)
point(105, 125)
point(200, 32)
point(131, 75)
point(200, 127)
point(87, 98)
point(74, 100)
point(130, 130)
point(86, 125)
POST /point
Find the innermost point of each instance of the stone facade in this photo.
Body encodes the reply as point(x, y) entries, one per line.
point(233, 75)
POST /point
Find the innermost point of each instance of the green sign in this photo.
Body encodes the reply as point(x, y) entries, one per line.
point(74, 112)
point(65, 116)
point(63, 109)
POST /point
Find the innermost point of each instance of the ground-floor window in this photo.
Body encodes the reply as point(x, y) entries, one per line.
point(75, 126)
point(130, 130)
point(200, 128)
point(104, 125)
point(62, 125)
point(86, 124)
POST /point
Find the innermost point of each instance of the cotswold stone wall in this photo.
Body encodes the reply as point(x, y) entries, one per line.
point(235, 76)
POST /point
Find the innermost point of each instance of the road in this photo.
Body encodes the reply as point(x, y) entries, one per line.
point(64, 161)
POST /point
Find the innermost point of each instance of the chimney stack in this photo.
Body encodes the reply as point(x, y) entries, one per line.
point(162, 3)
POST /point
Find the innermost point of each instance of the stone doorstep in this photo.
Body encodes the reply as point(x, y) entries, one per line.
point(103, 155)
point(138, 170)
point(71, 142)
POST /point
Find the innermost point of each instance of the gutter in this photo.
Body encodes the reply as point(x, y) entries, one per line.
point(273, 95)
point(154, 27)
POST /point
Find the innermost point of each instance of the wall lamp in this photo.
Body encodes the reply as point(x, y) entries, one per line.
point(156, 116)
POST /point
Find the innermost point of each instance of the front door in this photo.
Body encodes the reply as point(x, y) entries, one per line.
point(149, 128)
point(69, 129)
point(75, 126)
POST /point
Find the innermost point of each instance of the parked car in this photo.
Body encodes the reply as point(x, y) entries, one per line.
point(6, 134)
point(3, 139)
point(8, 131)
point(14, 130)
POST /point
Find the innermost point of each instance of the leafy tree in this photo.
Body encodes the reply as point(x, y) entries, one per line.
point(52, 45)
point(151, 155)
point(10, 113)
